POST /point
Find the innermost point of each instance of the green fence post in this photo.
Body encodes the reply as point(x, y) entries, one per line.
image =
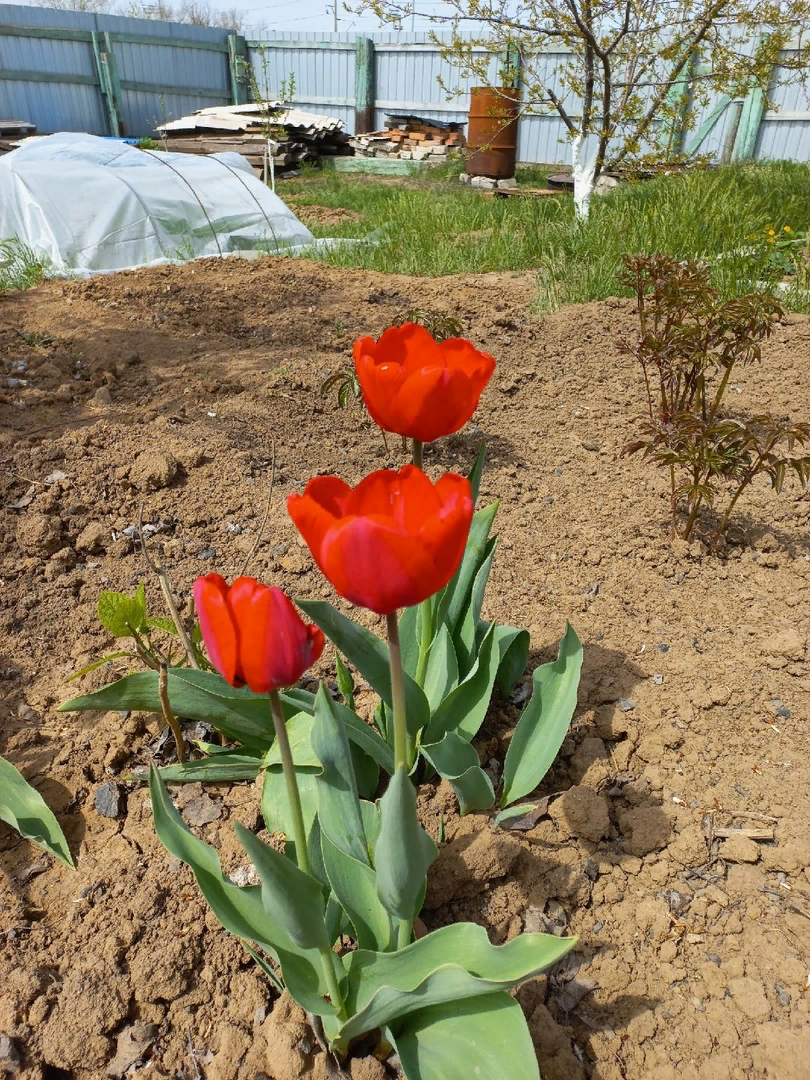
point(109, 82)
point(365, 94)
point(752, 112)
point(679, 99)
point(238, 64)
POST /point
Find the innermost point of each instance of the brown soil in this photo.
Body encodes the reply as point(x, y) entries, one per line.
point(311, 214)
point(164, 387)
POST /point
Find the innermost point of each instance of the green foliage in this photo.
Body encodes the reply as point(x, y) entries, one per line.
point(122, 615)
point(432, 229)
point(19, 266)
point(145, 143)
point(22, 807)
point(689, 344)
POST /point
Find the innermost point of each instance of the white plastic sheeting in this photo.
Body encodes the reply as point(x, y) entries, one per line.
point(88, 205)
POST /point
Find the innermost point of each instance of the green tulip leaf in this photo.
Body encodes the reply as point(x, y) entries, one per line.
point(239, 714)
point(299, 732)
point(354, 884)
point(339, 811)
point(404, 850)
point(446, 966)
point(544, 722)
point(455, 760)
point(276, 812)
point(291, 898)
point(240, 910)
point(484, 1037)
point(442, 669)
point(513, 645)
point(370, 656)
point(515, 811)
point(464, 708)
point(120, 614)
point(345, 681)
point(409, 637)
point(455, 595)
point(477, 471)
point(22, 807)
point(220, 767)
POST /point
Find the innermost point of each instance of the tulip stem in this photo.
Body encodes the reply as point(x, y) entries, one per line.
point(416, 453)
point(397, 695)
point(328, 965)
point(293, 797)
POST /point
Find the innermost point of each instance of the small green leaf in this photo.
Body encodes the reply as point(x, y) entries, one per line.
point(100, 663)
point(409, 626)
point(544, 722)
point(455, 596)
point(122, 614)
point(464, 708)
point(291, 898)
point(345, 682)
point(370, 656)
point(442, 670)
point(354, 884)
point(338, 802)
point(22, 807)
point(157, 622)
point(477, 471)
point(484, 1037)
point(223, 766)
point(404, 850)
point(299, 733)
point(518, 810)
point(455, 760)
point(513, 645)
point(276, 811)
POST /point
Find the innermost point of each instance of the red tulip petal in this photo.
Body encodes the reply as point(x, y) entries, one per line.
point(364, 346)
point(217, 625)
point(445, 534)
point(250, 605)
point(409, 345)
point(435, 403)
point(317, 511)
point(405, 497)
point(380, 385)
point(376, 566)
point(461, 355)
point(292, 645)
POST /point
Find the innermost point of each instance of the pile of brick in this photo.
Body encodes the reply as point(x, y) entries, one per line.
point(411, 138)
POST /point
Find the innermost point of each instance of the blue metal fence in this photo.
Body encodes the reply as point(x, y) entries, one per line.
point(67, 71)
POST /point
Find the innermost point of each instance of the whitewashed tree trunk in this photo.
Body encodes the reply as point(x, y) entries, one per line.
point(583, 177)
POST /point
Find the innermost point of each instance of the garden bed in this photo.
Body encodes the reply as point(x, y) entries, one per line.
point(165, 387)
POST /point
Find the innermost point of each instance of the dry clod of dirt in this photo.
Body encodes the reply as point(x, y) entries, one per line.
point(740, 849)
point(39, 534)
point(152, 470)
point(646, 829)
point(93, 538)
point(580, 811)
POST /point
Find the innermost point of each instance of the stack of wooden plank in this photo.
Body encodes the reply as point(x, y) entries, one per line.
point(298, 137)
point(411, 138)
point(12, 132)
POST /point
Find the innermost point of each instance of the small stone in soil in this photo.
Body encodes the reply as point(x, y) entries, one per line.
point(625, 704)
point(108, 800)
point(10, 1057)
point(662, 648)
point(782, 996)
point(207, 553)
point(202, 810)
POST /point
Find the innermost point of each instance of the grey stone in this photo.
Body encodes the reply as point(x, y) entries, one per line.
point(108, 800)
point(10, 1056)
point(483, 182)
point(464, 178)
point(508, 184)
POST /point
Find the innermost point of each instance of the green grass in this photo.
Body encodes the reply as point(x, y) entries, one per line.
point(19, 266)
point(431, 226)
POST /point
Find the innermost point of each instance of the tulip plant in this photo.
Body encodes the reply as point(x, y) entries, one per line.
point(355, 865)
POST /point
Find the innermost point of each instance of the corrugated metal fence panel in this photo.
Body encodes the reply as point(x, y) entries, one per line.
point(200, 69)
point(53, 106)
point(785, 132)
point(319, 74)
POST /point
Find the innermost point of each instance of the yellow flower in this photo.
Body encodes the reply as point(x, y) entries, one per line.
point(771, 232)
point(788, 229)
point(771, 240)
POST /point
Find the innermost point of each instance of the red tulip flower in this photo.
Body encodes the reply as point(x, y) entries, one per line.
point(253, 633)
point(418, 387)
point(392, 541)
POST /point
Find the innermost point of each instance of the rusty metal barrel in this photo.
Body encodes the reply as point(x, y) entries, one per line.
point(492, 132)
